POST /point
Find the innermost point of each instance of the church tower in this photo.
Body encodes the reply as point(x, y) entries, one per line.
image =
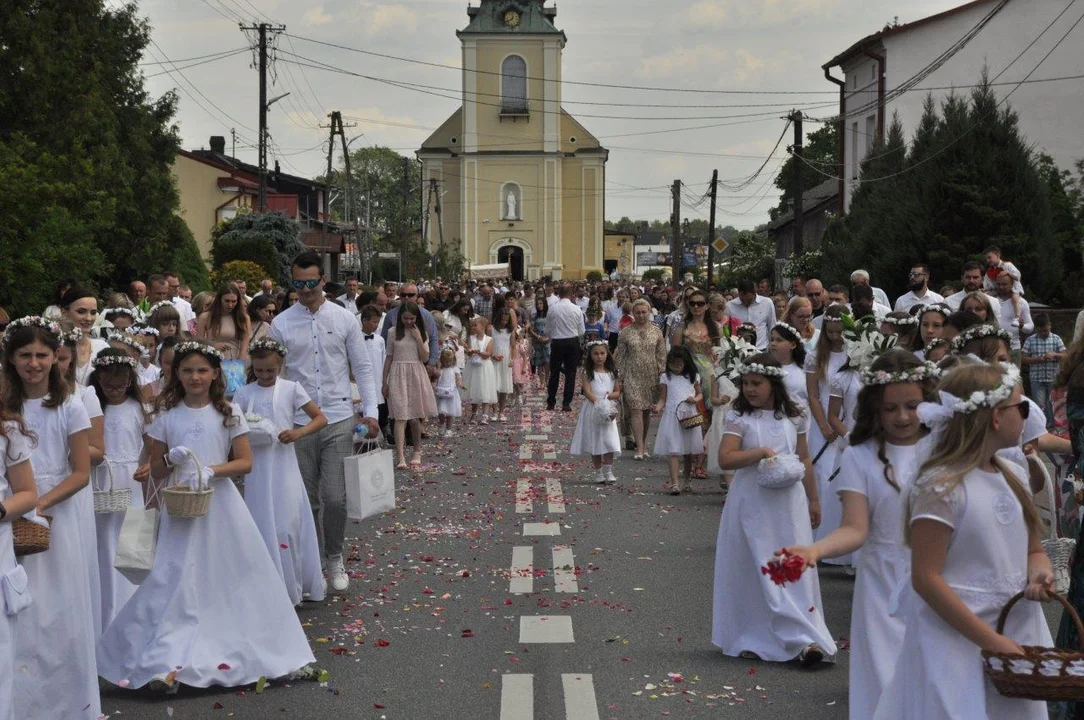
point(520, 180)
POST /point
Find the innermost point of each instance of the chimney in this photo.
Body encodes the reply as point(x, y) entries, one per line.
point(218, 144)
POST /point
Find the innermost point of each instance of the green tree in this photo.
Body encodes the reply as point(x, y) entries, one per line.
point(751, 258)
point(271, 240)
point(85, 152)
point(821, 151)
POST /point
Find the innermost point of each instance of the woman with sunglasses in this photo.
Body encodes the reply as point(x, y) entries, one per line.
point(261, 311)
point(698, 333)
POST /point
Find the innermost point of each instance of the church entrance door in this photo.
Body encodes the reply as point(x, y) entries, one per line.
point(514, 255)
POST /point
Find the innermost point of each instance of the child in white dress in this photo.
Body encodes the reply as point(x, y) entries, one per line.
point(975, 543)
point(679, 392)
point(54, 637)
point(213, 610)
point(844, 387)
point(786, 346)
point(481, 377)
point(18, 496)
point(449, 403)
point(876, 472)
point(504, 355)
point(274, 491)
point(723, 393)
point(825, 444)
point(601, 440)
point(115, 382)
point(754, 618)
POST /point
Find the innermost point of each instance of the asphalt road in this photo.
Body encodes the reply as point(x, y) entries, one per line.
point(453, 612)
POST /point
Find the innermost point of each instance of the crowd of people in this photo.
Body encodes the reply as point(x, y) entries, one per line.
point(894, 440)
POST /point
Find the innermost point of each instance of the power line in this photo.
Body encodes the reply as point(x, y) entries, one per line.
point(197, 57)
point(196, 64)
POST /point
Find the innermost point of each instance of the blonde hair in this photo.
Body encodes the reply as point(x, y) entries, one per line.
point(962, 446)
point(795, 303)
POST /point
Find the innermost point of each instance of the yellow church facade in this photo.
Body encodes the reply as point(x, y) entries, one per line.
point(519, 179)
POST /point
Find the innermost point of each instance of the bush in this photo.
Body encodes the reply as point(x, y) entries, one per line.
point(594, 276)
point(280, 232)
point(250, 248)
point(251, 273)
point(653, 274)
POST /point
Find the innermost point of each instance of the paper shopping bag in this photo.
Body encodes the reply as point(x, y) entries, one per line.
point(137, 543)
point(370, 484)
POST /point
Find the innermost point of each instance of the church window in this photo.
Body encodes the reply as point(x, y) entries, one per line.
point(514, 85)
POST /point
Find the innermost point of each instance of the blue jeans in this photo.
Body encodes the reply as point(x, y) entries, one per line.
point(1040, 393)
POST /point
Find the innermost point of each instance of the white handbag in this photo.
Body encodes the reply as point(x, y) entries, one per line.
point(138, 541)
point(262, 431)
point(15, 590)
point(370, 483)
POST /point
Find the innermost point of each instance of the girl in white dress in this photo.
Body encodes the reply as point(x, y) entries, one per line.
point(786, 347)
point(844, 387)
point(274, 491)
point(18, 496)
point(821, 367)
point(504, 355)
point(449, 403)
point(723, 393)
point(975, 543)
point(116, 385)
point(481, 377)
point(213, 610)
point(54, 637)
point(754, 618)
point(679, 392)
point(598, 382)
point(875, 477)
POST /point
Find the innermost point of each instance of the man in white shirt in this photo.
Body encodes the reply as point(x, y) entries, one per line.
point(184, 308)
point(565, 329)
point(325, 345)
point(972, 280)
point(752, 308)
point(266, 288)
point(1007, 313)
point(862, 302)
point(861, 277)
point(920, 293)
point(349, 298)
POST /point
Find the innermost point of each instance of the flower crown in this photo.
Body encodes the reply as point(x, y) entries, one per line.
point(759, 369)
point(126, 339)
point(925, 371)
point(110, 313)
point(31, 321)
point(934, 307)
point(267, 344)
point(1010, 378)
point(145, 330)
point(976, 332)
point(789, 330)
point(594, 343)
point(909, 321)
point(198, 347)
point(160, 304)
point(107, 360)
point(934, 344)
point(71, 337)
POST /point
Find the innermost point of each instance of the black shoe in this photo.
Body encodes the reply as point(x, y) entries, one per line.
point(630, 444)
point(566, 408)
point(551, 406)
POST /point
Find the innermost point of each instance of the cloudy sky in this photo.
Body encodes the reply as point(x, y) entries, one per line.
point(768, 51)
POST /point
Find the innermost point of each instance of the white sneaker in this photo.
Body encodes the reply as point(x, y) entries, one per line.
point(337, 573)
point(610, 479)
point(448, 433)
point(600, 477)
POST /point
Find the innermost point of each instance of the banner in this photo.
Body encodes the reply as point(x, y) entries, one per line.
point(490, 272)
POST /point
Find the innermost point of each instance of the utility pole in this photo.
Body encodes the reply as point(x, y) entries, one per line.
point(233, 143)
point(677, 254)
point(337, 128)
point(711, 228)
point(799, 190)
point(263, 30)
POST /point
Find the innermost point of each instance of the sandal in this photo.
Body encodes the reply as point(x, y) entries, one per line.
point(748, 655)
point(700, 474)
point(637, 457)
point(674, 490)
point(811, 655)
point(402, 465)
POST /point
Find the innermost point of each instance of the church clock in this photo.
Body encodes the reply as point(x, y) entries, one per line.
point(511, 19)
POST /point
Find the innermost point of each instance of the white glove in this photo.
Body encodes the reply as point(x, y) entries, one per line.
point(177, 455)
point(207, 474)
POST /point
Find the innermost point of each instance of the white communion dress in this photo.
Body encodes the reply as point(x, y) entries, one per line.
point(124, 426)
point(751, 613)
point(481, 378)
point(724, 387)
point(275, 493)
point(88, 521)
point(939, 672)
point(824, 454)
point(502, 345)
point(876, 633)
point(844, 385)
point(449, 402)
point(15, 449)
point(590, 437)
point(671, 438)
point(54, 637)
point(213, 609)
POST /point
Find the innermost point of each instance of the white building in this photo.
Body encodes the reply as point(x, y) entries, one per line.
point(1049, 105)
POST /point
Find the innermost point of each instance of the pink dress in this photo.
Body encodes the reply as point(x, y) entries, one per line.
point(410, 393)
point(521, 370)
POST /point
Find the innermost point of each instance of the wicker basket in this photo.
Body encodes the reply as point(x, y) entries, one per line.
point(1060, 550)
point(184, 502)
point(112, 500)
point(29, 538)
point(1034, 685)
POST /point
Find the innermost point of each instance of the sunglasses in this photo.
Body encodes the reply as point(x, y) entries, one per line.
point(697, 303)
point(409, 294)
point(1023, 406)
point(917, 274)
point(310, 284)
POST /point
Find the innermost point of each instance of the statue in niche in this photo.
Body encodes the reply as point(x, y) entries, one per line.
point(511, 206)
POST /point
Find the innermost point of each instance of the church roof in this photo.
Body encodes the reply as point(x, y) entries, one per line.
point(533, 18)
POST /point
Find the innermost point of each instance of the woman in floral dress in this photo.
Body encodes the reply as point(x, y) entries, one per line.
point(640, 358)
point(698, 333)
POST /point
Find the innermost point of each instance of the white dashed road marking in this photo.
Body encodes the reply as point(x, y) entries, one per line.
point(525, 451)
point(555, 498)
point(541, 529)
point(564, 570)
point(580, 702)
point(549, 452)
point(524, 503)
point(522, 581)
point(517, 697)
point(545, 629)
point(537, 438)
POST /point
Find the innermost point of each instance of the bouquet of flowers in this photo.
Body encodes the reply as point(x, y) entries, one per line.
point(731, 352)
point(863, 342)
point(784, 569)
